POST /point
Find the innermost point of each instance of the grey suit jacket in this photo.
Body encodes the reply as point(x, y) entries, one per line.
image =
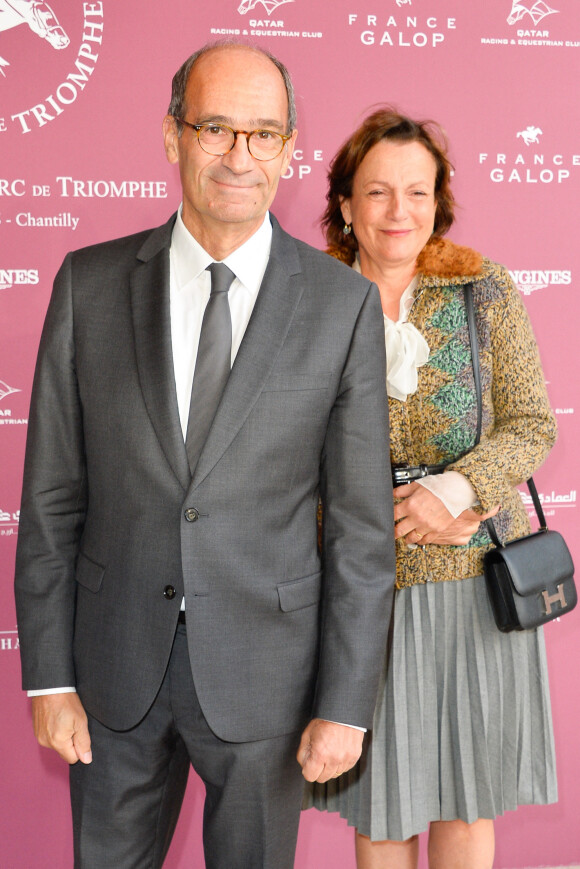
point(277, 631)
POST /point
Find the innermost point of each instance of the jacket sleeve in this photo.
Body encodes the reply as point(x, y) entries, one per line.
point(519, 425)
point(53, 503)
point(357, 533)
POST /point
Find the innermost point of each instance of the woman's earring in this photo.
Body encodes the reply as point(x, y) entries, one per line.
point(347, 229)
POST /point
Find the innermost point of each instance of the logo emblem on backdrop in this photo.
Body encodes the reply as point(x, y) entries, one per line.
point(40, 19)
point(530, 135)
point(547, 164)
point(529, 280)
point(9, 640)
point(269, 5)
point(6, 417)
point(526, 17)
point(16, 277)
point(8, 528)
point(536, 11)
point(6, 390)
point(551, 501)
point(263, 27)
point(34, 101)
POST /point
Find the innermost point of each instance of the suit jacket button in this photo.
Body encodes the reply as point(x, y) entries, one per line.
point(191, 515)
point(169, 592)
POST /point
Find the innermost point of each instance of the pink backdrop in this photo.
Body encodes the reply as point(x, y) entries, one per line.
point(82, 160)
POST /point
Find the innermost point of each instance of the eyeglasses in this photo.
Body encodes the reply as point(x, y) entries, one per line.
point(219, 139)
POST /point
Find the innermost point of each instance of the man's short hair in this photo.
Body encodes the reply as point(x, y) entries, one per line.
point(177, 106)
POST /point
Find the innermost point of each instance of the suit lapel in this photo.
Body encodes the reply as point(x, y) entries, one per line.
point(152, 334)
point(273, 312)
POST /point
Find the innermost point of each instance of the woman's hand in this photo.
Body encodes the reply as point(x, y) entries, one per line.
point(421, 517)
point(462, 529)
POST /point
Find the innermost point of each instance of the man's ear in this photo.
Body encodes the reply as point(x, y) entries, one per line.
point(170, 138)
point(288, 151)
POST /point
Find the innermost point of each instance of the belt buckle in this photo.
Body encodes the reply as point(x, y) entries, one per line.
point(401, 475)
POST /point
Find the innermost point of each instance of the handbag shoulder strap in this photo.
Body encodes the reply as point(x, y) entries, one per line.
point(472, 327)
point(537, 504)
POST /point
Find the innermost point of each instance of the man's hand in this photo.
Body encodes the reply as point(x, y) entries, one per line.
point(327, 750)
point(60, 722)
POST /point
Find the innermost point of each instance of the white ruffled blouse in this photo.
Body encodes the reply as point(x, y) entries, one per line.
point(406, 348)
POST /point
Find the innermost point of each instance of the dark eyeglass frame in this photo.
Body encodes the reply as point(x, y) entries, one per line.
point(199, 127)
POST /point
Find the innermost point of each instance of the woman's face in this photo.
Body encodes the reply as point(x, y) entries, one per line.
point(392, 207)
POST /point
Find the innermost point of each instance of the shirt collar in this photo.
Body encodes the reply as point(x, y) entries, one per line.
point(248, 262)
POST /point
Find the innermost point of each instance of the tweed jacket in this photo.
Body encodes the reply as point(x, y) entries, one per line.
point(437, 423)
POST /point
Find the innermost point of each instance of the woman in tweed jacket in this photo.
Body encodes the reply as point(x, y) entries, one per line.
point(462, 729)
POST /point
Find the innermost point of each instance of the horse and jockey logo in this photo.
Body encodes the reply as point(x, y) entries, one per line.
point(536, 11)
point(40, 19)
point(269, 5)
point(6, 390)
point(530, 135)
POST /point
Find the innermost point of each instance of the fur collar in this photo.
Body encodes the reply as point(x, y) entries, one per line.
point(441, 258)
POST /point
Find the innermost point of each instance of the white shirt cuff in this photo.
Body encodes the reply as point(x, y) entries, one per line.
point(453, 489)
point(42, 691)
point(354, 726)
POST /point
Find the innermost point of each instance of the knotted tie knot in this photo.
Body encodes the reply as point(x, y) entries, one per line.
point(221, 277)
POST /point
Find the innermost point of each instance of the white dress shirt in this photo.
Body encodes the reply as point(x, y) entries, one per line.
point(190, 287)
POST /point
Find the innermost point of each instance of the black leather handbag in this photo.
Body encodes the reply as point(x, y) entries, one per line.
point(530, 581)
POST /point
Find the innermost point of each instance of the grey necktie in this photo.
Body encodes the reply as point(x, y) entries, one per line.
point(213, 364)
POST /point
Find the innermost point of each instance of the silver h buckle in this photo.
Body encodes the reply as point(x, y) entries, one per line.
point(555, 598)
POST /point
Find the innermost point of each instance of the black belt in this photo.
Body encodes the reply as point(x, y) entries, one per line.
point(403, 474)
point(181, 619)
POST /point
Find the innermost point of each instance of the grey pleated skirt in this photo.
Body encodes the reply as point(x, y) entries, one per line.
point(462, 728)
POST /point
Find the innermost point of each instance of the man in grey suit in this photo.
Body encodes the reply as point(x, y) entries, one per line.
point(174, 607)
